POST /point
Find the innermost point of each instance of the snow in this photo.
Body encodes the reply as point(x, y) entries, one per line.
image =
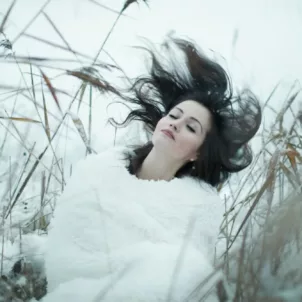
point(31, 246)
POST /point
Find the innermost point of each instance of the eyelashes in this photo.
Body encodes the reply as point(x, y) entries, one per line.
point(191, 129)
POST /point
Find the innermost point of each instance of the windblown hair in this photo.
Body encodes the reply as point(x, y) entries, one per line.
point(235, 120)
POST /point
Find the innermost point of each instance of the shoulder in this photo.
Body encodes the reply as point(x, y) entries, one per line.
point(199, 187)
point(93, 170)
point(207, 201)
point(202, 194)
point(112, 156)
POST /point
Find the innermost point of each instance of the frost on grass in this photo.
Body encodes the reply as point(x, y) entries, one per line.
point(23, 277)
point(269, 267)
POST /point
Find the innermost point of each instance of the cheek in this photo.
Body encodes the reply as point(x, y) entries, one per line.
point(188, 145)
point(162, 124)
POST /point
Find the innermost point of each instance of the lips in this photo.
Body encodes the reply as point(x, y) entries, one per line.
point(169, 133)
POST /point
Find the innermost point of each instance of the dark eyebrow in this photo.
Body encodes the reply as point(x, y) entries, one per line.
point(192, 118)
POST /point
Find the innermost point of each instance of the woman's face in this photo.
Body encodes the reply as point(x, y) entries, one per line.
point(183, 130)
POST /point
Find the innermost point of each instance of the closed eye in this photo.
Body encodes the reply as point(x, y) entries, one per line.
point(191, 128)
point(192, 118)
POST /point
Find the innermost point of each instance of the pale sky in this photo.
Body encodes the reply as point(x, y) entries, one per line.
point(266, 36)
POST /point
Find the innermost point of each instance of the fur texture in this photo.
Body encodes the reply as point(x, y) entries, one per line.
point(145, 240)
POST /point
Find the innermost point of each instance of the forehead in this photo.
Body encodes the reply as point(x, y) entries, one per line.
point(191, 105)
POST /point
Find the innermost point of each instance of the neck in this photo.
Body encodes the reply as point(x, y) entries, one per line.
point(158, 166)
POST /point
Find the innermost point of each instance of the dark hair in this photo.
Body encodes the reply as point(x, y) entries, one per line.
point(235, 120)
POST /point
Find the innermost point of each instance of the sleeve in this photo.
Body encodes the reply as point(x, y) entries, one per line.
point(71, 244)
point(206, 223)
point(148, 278)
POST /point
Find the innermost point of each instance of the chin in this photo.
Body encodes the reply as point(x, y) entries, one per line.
point(160, 141)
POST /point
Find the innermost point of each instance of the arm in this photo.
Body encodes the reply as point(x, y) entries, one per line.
point(207, 220)
point(72, 243)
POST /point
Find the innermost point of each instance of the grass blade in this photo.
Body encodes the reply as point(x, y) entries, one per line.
point(129, 2)
point(93, 81)
point(30, 22)
point(20, 119)
point(59, 33)
point(28, 177)
point(24, 169)
point(267, 183)
point(58, 46)
point(107, 8)
point(79, 125)
point(47, 128)
point(126, 5)
point(6, 16)
point(90, 116)
point(51, 89)
point(83, 88)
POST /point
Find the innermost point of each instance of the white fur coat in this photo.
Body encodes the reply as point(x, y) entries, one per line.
point(117, 238)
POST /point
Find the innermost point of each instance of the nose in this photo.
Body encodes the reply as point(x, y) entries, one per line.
point(175, 127)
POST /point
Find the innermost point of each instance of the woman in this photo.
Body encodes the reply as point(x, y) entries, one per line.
point(140, 224)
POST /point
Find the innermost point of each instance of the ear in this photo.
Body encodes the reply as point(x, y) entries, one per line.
point(194, 157)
